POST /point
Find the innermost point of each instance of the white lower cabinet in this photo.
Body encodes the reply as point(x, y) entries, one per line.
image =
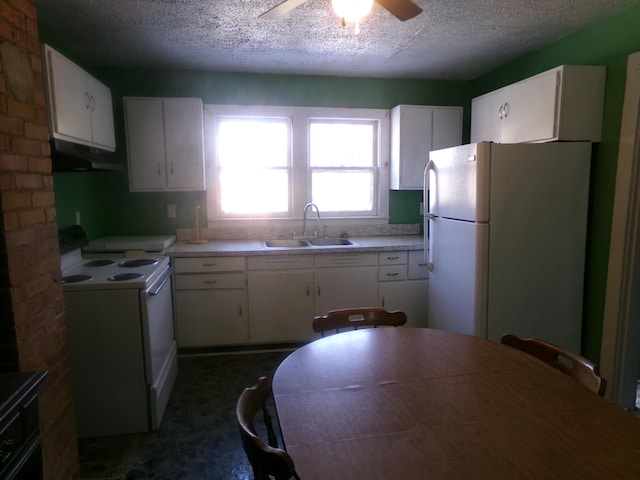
point(281, 306)
point(211, 317)
point(280, 298)
point(211, 301)
point(273, 299)
point(286, 291)
point(404, 285)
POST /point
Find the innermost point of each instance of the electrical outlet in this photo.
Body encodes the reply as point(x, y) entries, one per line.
point(77, 218)
point(171, 211)
point(421, 208)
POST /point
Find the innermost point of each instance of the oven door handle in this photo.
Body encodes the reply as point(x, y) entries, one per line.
point(158, 284)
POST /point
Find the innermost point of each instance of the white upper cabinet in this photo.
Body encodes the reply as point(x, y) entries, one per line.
point(80, 108)
point(564, 103)
point(415, 131)
point(165, 144)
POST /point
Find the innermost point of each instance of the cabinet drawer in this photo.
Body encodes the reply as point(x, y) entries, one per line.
point(392, 258)
point(196, 282)
point(417, 265)
point(392, 273)
point(209, 264)
point(279, 262)
point(346, 259)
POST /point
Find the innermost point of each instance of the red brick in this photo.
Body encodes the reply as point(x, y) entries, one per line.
point(21, 110)
point(13, 15)
point(5, 143)
point(21, 238)
point(12, 125)
point(26, 146)
point(15, 199)
point(36, 131)
point(11, 221)
point(29, 180)
point(43, 199)
point(30, 218)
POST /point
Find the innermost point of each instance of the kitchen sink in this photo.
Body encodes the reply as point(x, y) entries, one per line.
point(312, 242)
point(328, 242)
point(286, 243)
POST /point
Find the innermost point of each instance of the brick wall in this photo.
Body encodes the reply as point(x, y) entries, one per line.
point(32, 321)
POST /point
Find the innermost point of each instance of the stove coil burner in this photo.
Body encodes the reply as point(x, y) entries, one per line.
point(138, 262)
point(99, 263)
point(76, 278)
point(124, 276)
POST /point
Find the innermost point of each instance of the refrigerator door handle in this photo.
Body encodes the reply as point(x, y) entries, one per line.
point(427, 185)
point(430, 224)
point(429, 247)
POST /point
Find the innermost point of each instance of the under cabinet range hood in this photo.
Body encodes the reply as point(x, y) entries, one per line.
point(73, 157)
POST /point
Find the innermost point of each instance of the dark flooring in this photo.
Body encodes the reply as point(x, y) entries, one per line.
point(198, 438)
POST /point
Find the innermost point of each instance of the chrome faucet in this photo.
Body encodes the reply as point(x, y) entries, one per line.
point(307, 207)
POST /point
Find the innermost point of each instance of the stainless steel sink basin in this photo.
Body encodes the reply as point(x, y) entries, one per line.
point(286, 243)
point(311, 242)
point(328, 242)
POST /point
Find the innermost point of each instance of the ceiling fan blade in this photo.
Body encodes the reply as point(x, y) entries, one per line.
point(401, 9)
point(281, 9)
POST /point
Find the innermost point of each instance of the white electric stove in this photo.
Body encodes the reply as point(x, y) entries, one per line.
point(121, 333)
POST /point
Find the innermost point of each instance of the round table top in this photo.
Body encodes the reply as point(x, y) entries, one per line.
point(416, 403)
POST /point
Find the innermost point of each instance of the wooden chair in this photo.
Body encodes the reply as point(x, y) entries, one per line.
point(357, 317)
point(267, 460)
point(569, 363)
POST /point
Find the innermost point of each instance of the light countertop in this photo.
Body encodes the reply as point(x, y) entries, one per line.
point(256, 247)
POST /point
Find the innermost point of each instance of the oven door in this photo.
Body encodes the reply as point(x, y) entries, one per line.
point(159, 344)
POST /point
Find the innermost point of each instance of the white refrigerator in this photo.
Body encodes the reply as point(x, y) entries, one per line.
point(505, 234)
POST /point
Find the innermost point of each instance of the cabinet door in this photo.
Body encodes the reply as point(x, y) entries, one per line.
point(486, 117)
point(102, 129)
point(530, 109)
point(70, 99)
point(184, 140)
point(211, 317)
point(413, 145)
point(411, 297)
point(281, 306)
point(447, 128)
point(345, 288)
point(145, 144)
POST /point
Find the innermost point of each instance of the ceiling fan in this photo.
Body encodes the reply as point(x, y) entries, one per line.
point(401, 9)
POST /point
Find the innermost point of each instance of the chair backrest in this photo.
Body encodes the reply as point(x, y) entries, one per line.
point(357, 317)
point(569, 363)
point(266, 459)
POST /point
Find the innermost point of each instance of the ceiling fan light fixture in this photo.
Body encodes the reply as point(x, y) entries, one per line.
point(352, 11)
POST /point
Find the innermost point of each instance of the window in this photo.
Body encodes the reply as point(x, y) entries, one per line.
point(343, 162)
point(254, 167)
point(268, 162)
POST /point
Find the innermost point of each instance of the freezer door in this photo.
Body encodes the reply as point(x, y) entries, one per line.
point(457, 281)
point(457, 180)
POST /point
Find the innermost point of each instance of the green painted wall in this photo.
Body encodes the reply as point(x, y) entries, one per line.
point(607, 43)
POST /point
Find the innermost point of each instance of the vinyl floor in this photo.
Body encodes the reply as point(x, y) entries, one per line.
point(198, 438)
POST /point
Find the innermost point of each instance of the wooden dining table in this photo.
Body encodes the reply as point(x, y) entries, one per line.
point(418, 403)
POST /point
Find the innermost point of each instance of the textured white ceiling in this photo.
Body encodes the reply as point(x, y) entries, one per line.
point(451, 39)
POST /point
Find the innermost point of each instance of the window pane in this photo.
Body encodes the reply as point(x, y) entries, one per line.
point(253, 164)
point(254, 192)
point(343, 191)
point(253, 143)
point(341, 144)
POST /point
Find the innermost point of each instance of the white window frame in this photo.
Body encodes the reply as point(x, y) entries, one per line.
point(301, 174)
